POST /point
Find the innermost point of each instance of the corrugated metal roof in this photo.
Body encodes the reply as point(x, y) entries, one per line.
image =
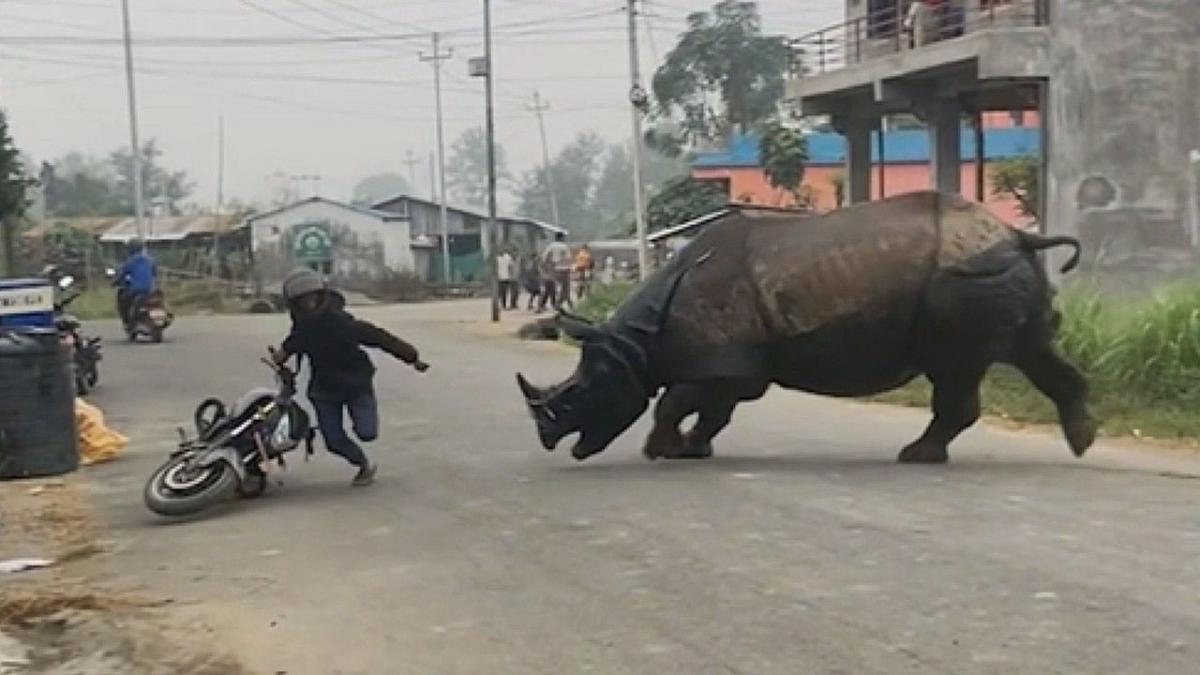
point(169, 228)
point(124, 228)
point(541, 224)
point(383, 205)
point(373, 211)
point(669, 232)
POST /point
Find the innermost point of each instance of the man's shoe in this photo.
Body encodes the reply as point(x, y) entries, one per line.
point(365, 476)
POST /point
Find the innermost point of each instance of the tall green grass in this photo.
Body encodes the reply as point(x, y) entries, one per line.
point(1148, 348)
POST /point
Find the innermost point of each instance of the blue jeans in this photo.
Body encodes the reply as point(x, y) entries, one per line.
point(364, 415)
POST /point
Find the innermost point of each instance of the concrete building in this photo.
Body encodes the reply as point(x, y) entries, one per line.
point(464, 228)
point(905, 167)
point(1116, 84)
point(353, 246)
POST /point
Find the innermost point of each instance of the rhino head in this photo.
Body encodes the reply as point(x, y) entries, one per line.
point(604, 396)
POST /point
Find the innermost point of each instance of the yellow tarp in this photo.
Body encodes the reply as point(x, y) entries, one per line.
point(97, 443)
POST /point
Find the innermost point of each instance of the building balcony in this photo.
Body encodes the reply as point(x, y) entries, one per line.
point(963, 40)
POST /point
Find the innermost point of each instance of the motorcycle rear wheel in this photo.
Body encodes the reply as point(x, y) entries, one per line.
point(177, 490)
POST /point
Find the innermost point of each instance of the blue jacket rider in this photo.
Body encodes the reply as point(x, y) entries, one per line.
point(135, 279)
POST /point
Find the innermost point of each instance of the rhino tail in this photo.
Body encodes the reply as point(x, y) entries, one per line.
point(1037, 242)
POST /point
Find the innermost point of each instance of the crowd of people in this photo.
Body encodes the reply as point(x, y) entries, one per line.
point(553, 279)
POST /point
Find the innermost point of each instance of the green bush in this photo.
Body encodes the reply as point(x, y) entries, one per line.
point(603, 299)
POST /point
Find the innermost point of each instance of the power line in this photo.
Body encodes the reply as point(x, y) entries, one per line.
point(283, 17)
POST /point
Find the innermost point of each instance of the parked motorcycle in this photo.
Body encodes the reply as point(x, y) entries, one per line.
point(233, 449)
point(85, 351)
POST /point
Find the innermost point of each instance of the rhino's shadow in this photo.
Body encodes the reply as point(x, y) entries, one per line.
point(822, 463)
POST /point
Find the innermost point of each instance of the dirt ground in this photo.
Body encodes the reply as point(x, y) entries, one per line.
point(55, 621)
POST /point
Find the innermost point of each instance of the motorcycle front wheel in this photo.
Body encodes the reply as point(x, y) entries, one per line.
point(176, 489)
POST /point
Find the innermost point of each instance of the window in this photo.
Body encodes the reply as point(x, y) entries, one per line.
point(725, 185)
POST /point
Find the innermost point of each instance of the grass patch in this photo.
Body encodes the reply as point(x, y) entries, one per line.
point(603, 299)
point(183, 297)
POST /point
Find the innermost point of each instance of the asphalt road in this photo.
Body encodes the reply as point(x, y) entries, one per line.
point(801, 548)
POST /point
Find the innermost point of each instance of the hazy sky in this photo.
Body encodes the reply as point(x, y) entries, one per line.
point(296, 100)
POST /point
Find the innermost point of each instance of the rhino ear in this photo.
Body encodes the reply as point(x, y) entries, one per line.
point(577, 327)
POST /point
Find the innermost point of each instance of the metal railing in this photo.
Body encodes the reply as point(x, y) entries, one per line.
point(896, 28)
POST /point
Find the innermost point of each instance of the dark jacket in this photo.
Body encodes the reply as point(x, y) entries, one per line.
point(332, 340)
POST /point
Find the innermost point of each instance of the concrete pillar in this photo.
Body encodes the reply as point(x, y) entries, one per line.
point(945, 144)
point(857, 130)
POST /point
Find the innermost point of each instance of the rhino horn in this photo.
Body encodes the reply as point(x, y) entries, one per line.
point(532, 393)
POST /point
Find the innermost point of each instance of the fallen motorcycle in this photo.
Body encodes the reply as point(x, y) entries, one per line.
point(233, 449)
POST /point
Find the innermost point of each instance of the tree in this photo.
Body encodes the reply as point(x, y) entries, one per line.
point(783, 153)
point(576, 169)
point(467, 168)
point(160, 188)
point(378, 188)
point(682, 199)
point(14, 187)
point(77, 185)
point(612, 200)
point(1017, 178)
point(723, 54)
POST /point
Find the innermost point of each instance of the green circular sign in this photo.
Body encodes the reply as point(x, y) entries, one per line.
point(312, 242)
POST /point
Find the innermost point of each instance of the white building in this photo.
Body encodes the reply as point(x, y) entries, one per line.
point(352, 245)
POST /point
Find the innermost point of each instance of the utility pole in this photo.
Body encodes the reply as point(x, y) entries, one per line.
point(539, 107)
point(436, 59)
point(220, 164)
point(136, 149)
point(432, 178)
point(216, 251)
point(411, 161)
point(637, 100)
point(489, 249)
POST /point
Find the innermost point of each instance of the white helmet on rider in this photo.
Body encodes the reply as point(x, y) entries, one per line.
point(302, 282)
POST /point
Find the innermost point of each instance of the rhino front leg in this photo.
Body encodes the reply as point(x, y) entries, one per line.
point(679, 401)
point(955, 407)
point(714, 416)
point(712, 400)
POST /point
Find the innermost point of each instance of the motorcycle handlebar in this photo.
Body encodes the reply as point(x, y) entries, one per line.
point(288, 375)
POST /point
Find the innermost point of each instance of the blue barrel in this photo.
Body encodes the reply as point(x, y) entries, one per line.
point(37, 405)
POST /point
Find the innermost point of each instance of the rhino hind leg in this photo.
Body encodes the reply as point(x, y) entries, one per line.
point(956, 407)
point(1065, 386)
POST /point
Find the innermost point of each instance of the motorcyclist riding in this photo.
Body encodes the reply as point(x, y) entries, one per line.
point(135, 280)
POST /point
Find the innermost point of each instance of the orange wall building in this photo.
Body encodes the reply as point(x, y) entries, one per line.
point(905, 166)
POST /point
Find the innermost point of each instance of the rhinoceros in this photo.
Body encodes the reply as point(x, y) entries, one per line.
point(851, 303)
